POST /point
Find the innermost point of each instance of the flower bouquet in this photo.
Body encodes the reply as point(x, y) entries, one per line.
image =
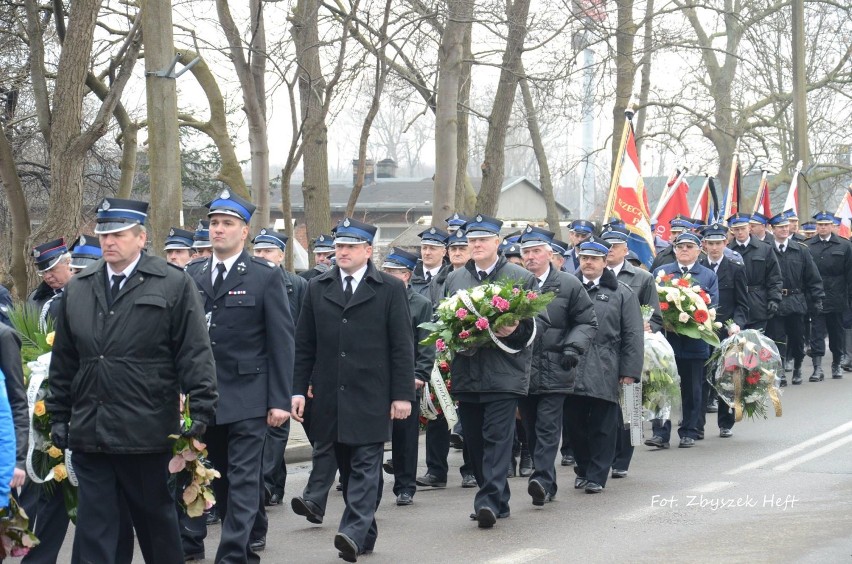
point(467, 321)
point(193, 472)
point(660, 380)
point(16, 539)
point(685, 310)
point(746, 365)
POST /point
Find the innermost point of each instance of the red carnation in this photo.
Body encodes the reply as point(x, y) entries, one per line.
point(765, 355)
point(684, 282)
point(664, 306)
point(701, 315)
point(449, 384)
point(753, 378)
point(444, 367)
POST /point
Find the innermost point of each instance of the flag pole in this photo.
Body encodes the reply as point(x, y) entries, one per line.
point(616, 174)
point(760, 192)
point(704, 189)
point(791, 191)
point(729, 195)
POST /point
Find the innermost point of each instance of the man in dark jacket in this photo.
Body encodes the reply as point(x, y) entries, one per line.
point(355, 346)
point(762, 272)
point(53, 265)
point(400, 264)
point(833, 258)
point(433, 249)
point(733, 305)
point(251, 332)
point(802, 290)
point(645, 288)
point(115, 384)
point(614, 358)
point(690, 353)
point(557, 349)
point(323, 252)
point(489, 381)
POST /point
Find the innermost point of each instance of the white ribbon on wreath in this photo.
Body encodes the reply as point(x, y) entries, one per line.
point(465, 298)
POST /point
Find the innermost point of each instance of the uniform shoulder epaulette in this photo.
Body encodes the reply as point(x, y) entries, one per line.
point(197, 261)
point(173, 265)
point(264, 262)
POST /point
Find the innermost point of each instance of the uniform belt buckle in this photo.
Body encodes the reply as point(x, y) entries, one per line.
point(785, 292)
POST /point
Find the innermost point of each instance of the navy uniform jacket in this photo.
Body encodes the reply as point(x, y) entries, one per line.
point(5, 305)
point(358, 356)
point(295, 286)
point(803, 288)
point(686, 347)
point(251, 332)
point(570, 266)
point(645, 287)
point(733, 292)
point(664, 257)
point(424, 355)
point(833, 259)
point(763, 276)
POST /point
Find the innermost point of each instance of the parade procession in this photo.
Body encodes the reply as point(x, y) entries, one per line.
point(425, 281)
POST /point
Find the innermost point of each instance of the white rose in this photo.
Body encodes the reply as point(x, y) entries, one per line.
point(478, 294)
point(683, 317)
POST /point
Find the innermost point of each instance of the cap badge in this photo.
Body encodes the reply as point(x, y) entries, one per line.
point(346, 222)
point(82, 239)
point(478, 218)
point(225, 194)
point(321, 238)
point(263, 231)
point(36, 253)
point(171, 232)
point(432, 231)
point(105, 205)
point(529, 228)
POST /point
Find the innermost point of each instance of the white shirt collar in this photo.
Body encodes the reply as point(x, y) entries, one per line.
point(433, 271)
point(744, 243)
point(356, 276)
point(596, 281)
point(688, 266)
point(127, 271)
point(786, 243)
point(488, 270)
point(543, 277)
point(228, 262)
point(616, 269)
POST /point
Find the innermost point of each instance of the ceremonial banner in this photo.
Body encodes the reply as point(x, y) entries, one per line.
point(628, 200)
point(761, 201)
point(731, 204)
point(844, 212)
point(672, 203)
point(792, 201)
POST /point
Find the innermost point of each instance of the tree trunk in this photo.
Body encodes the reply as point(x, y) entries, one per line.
point(645, 81)
point(498, 122)
point(38, 75)
point(800, 104)
point(166, 209)
point(541, 159)
point(625, 69)
point(465, 195)
point(67, 155)
point(254, 103)
point(450, 72)
point(19, 211)
point(315, 134)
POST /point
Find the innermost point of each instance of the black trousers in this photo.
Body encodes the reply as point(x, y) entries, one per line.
point(542, 417)
point(592, 424)
point(788, 332)
point(404, 450)
point(489, 429)
point(725, 415)
point(438, 449)
point(274, 465)
point(361, 475)
point(565, 449)
point(691, 373)
point(236, 450)
point(321, 478)
point(623, 448)
point(142, 481)
point(831, 324)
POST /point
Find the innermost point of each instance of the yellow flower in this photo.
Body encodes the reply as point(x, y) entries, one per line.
point(60, 472)
point(38, 408)
point(54, 452)
point(49, 338)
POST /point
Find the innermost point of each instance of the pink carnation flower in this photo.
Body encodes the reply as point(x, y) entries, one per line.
point(461, 313)
point(464, 334)
point(440, 345)
point(516, 291)
point(482, 324)
point(531, 295)
point(500, 303)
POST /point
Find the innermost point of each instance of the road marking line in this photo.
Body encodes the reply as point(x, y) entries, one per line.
point(792, 450)
point(815, 454)
point(711, 487)
point(639, 514)
point(520, 556)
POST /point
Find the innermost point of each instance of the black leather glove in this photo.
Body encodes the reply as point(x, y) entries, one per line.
point(818, 307)
point(197, 429)
point(59, 435)
point(772, 309)
point(569, 360)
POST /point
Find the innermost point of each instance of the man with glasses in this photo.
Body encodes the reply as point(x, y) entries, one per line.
point(53, 266)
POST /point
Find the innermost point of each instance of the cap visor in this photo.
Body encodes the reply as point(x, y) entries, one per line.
point(114, 227)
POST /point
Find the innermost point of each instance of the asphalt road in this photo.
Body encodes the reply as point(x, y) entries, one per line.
point(779, 490)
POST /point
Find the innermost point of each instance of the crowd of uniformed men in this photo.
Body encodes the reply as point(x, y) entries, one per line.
point(250, 345)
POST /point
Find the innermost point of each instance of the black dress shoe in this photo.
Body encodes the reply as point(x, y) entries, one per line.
point(431, 481)
point(388, 466)
point(212, 518)
point(339, 487)
point(468, 481)
point(275, 499)
point(194, 556)
point(486, 518)
point(619, 473)
point(258, 545)
point(525, 469)
point(836, 372)
point(404, 499)
point(537, 492)
point(505, 515)
point(699, 436)
point(580, 483)
point(686, 442)
point(307, 509)
point(783, 383)
point(568, 460)
point(657, 441)
point(593, 488)
point(347, 548)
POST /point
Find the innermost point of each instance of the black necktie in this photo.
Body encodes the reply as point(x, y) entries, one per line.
point(219, 277)
point(781, 247)
point(714, 265)
point(116, 286)
point(684, 269)
point(741, 248)
point(347, 291)
point(428, 277)
point(482, 275)
point(589, 286)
